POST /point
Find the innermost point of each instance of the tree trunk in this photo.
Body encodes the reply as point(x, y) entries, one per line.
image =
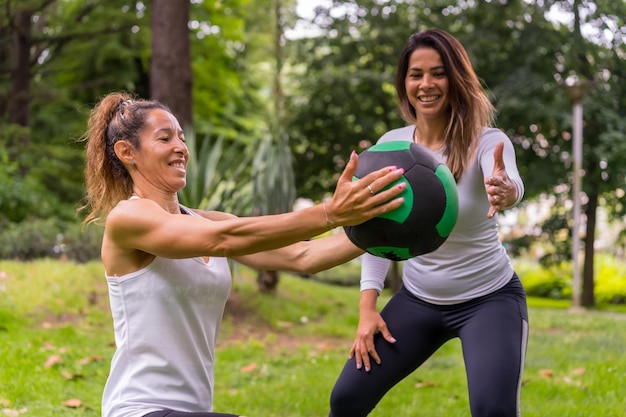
point(395, 281)
point(171, 78)
point(267, 281)
point(588, 298)
point(19, 97)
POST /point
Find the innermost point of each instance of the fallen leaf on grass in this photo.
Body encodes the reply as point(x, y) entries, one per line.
point(546, 373)
point(70, 376)
point(3, 277)
point(4, 402)
point(579, 371)
point(425, 384)
point(72, 403)
point(324, 346)
point(248, 368)
point(52, 360)
point(14, 413)
point(92, 358)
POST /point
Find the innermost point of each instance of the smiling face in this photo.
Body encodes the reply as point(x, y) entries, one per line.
point(161, 158)
point(427, 85)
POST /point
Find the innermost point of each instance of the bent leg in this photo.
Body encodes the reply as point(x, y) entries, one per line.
point(494, 347)
point(419, 332)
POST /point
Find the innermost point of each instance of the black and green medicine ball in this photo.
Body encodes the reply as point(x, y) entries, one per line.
point(430, 209)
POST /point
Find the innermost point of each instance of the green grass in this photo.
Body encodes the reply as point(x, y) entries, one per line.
point(278, 355)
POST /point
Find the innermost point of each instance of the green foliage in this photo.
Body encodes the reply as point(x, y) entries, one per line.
point(340, 90)
point(19, 197)
point(553, 281)
point(348, 274)
point(216, 175)
point(81, 244)
point(610, 283)
point(29, 240)
point(228, 84)
point(273, 176)
point(49, 238)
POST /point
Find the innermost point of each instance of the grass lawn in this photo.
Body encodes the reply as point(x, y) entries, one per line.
point(278, 355)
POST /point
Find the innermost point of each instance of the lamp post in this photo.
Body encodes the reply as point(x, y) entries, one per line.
point(577, 90)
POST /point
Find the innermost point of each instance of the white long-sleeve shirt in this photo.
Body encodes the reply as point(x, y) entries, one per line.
point(472, 262)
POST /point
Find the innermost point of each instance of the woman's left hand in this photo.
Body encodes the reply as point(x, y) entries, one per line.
point(501, 190)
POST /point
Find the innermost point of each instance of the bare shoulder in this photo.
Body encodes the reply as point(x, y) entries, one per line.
point(133, 214)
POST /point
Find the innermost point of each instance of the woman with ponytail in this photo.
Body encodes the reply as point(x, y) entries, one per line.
point(166, 264)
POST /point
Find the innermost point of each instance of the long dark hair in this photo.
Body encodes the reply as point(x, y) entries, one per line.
point(470, 108)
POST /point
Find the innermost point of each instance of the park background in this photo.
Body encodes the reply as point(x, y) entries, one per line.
point(273, 97)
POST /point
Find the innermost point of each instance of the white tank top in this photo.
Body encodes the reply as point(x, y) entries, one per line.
point(166, 319)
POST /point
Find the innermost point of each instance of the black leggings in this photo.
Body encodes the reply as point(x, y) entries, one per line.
point(170, 413)
point(493, 330)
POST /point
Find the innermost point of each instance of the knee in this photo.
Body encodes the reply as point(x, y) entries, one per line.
point(346, 402)
point(494, 408)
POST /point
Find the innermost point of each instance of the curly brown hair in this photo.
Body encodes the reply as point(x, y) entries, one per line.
point(470, 108)
point(117, 116)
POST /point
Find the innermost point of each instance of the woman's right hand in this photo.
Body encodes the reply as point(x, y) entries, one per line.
point(355, 202)
point(370, 323)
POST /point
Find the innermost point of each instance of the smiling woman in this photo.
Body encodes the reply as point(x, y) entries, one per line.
point(165, 264)
point(466, 288)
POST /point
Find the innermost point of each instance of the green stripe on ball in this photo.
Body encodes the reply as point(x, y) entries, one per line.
point(451, 212)
point(390, 146)
point(390, 252)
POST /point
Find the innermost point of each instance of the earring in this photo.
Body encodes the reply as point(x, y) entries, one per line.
point(132, 163)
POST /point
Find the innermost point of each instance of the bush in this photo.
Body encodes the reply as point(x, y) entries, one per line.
point(49, 238)
point(545, 281)
point(83, 245)
point(610, 281)
point(29, 240)
point(346, 275)
point(556, 281)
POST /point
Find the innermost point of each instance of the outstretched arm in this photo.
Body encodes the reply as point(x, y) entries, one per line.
point(143, 225)
point(308, 257)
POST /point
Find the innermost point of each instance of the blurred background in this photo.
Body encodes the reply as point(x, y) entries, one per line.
point(275, 94)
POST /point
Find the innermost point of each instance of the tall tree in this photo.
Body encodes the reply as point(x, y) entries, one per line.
point(171, 79)
point(45, 44)
point(595, 56)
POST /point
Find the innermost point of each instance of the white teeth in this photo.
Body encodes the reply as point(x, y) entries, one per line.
point(178, 165)
point(429, 98)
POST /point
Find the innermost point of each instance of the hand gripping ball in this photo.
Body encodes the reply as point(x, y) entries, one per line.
point(430, 209)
